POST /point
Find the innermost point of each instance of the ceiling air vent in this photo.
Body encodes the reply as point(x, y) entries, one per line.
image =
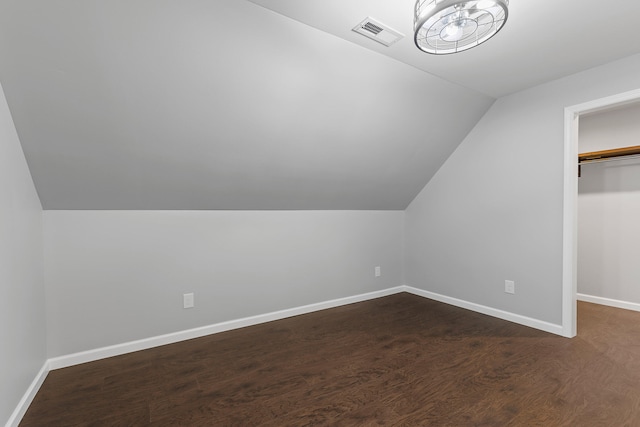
point(378, 32)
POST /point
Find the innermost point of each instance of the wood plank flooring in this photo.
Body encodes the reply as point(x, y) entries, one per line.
point(401, 360)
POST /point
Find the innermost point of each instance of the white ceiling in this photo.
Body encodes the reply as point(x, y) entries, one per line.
point(542, 40)
point(223, 104)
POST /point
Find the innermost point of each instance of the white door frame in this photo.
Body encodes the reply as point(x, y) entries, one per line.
point(570, 210)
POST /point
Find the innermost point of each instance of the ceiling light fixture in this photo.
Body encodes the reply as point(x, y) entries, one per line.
point(450, 26)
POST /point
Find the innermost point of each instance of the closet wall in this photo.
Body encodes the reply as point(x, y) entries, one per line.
point(609, 211)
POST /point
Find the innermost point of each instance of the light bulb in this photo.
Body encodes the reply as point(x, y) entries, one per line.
point(453, 29)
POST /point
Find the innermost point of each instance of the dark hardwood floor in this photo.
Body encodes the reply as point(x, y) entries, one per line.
point(400, 360)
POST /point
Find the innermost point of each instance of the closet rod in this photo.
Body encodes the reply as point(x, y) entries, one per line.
point(608, 154)
point(609, 159)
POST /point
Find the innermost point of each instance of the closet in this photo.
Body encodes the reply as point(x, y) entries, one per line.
point(609, 207)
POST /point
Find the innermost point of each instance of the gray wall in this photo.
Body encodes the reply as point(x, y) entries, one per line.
point(608, 209)
point(118, 276)
point(22, 326)
point(494, 210)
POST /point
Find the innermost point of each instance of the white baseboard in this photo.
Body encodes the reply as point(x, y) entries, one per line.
point(610, 302)
point(143, 344)
point(500, 314)
point(115, 350)
point(23, 405)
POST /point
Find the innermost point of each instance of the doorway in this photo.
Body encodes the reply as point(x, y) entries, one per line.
point(570, 203)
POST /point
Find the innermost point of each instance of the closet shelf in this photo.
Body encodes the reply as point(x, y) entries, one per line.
point(607, 155)
point(595, 156)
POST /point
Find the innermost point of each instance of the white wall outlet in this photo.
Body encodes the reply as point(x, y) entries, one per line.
point(187, 300)
point(377, 271)
point(510, 286)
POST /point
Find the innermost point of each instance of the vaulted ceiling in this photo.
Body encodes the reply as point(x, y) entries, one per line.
point(226, 104)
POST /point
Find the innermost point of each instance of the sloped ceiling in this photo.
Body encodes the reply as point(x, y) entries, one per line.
point(224, 104)
point(542, 40)
point(163, 104)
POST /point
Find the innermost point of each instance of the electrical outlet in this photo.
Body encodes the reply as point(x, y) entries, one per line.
point(187, 300)
point(377, 271)
point(510, 286)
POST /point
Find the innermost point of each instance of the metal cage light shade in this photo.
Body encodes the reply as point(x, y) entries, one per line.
point(450, 26)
